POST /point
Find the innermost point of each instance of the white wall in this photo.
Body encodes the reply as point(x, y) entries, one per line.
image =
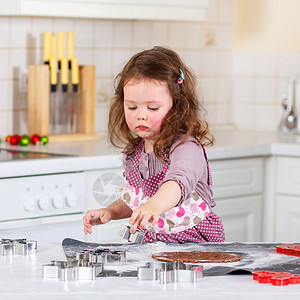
point(205, 46)
point(240, 86)
point(266, 50)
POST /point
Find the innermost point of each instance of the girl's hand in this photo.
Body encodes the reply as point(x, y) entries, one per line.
point(95, 217)
point(141, 216)
point(168, 195)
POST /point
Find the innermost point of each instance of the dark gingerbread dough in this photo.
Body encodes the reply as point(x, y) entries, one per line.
point(197, 257)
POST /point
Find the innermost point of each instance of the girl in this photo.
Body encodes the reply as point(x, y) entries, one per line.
point(156, 112)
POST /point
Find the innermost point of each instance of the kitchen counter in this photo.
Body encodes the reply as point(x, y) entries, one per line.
point(21, 278)
point(85, 156)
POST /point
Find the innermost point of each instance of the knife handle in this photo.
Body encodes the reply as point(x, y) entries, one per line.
point(64, 74)
point(75, 71)
point(70, 45)
point(60, 45)
point(46, 46)
point(53, 73)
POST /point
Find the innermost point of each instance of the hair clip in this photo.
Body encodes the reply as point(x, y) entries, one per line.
point(181, 77)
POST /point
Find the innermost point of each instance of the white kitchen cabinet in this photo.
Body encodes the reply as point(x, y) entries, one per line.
point(241, 217)
point(287, 217)
point(238, 188)
point(192, 10)
point(288, 176)
point(237, 177)
point(102, 189)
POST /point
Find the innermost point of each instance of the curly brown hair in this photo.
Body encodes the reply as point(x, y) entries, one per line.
point(184, 118)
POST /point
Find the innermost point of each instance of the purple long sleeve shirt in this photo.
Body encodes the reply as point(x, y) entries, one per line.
point(188, 167)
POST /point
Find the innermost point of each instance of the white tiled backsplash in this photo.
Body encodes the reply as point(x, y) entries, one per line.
point(239, 88)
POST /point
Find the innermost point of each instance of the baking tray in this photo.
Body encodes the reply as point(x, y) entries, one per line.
point(255, 256)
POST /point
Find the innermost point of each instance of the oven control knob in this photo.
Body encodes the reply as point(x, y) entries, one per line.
point(29, 203)
point(43, 202)
point(57, 201)
point(71, 199)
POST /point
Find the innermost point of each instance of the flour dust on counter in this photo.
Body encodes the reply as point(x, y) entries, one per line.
point(254, 256)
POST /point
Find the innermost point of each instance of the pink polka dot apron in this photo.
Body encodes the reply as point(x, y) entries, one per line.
point(178, 223)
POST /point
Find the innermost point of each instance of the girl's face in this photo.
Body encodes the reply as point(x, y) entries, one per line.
point(146, 103)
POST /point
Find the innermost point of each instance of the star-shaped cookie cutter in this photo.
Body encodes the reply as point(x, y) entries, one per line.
point(89, 263)
point(167, 272)
point(105, 256)
point(17, 246)
point(70, 270)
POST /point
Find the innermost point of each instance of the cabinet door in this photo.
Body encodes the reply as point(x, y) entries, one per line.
point(237, 177)
point(103, 188)
point(288, 219)
point(241, 218)
point(288, 176)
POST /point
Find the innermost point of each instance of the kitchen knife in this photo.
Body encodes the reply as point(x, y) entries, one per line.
point(63, 103)
point(75, 81)
point(46, 46)
point(53, 85)
point(75, 73)
point(64, 75)
point(70, 47)
point(59, 107)
point(72, 96)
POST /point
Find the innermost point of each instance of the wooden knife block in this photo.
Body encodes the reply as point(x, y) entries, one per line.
point(39, 104)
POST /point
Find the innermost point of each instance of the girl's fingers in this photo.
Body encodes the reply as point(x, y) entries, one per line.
point(93, 221)
point(139, 220)
point(135, 220)
point(134, 226)
point(144, 221)
point(89, 220)
point(154, 220)
point(103, 219)
point(87, 229)
point(134, 216)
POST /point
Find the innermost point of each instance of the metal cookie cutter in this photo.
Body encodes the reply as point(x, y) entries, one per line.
point(166, 272)
point(188, 272)
point(151, 271)
point(59, 269)
point(7, 248)
point(17, 246)
point(137, 237)
point(88, 270)
point(68, 270)
point(106, 256)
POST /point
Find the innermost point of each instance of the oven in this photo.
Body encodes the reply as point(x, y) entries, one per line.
point(46, 208)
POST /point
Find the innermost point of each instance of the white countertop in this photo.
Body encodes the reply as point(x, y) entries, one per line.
point(101, 155)
point(21, 278)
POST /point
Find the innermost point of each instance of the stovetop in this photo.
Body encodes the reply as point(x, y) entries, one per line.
point(11, 155)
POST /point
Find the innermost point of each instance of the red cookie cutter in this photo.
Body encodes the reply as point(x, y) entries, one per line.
point(294, 279)
point(289, 249)
point(276, 278)
point(263, 276)
point(280, 279)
